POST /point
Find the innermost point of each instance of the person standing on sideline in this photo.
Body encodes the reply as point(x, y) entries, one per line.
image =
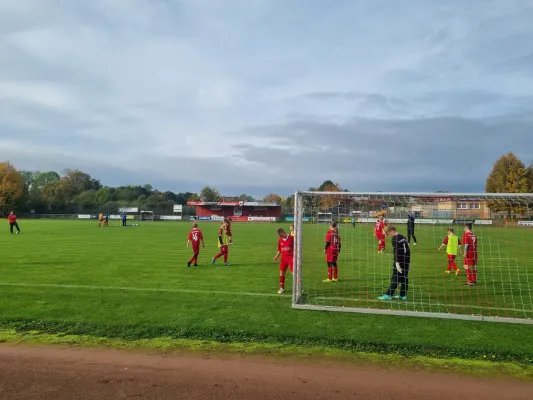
point(12, 218)
point(411, 228)
point(124, 218)
point(400, 266)
point(100, 219)
point(353, 221)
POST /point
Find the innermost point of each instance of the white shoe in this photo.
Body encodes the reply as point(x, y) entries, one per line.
point(415, 244)
point(281, 291)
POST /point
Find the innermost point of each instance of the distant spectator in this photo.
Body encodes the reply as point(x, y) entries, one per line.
point(124, 218)
point(411, 228)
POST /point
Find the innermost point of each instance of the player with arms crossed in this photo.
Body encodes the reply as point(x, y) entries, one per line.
point(195, 237)
point(286, 251)
point(223, 243)
point(400, 267)
point(332, 250)
point(470, 252)
point(379, 233)
point(452, 243)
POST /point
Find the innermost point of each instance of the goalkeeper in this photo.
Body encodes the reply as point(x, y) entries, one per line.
point(400, 267)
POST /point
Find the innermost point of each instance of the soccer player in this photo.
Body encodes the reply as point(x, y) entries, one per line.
point(291, 228)
point(286, 251)
point(195, 237)
point(452, 243)
point(100, 219)
point(400, 266)
point(332, 250)
point(106, 220)
point(124, 218)
point(411, 228)
point(470, 255)
point(223, 242)
point(228, 230)
point(379, 233)
point(12, 218)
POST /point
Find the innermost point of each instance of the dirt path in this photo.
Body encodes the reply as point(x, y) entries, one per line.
point(79, 374)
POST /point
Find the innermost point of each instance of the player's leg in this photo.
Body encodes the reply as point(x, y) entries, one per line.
point(393, 285)
point(450, 263)
point(17, 226)
point(282, 272)
point(414, 239)
point(335, 270)
point(403, 279)
point(468, 271)
point(226, 251)
point(11, 228)
point(330, 270)
point(473, 274)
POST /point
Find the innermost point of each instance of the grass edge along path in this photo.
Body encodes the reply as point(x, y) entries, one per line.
point(279, 352)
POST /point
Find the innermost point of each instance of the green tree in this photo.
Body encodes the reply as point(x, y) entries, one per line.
point(42, 178)
point(530, 178)
point(76, 182)
point(210, 194)
point(11, 185)
point(509, 175)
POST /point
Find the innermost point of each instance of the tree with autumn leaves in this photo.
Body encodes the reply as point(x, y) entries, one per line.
point(11, 185)
point(509, 175)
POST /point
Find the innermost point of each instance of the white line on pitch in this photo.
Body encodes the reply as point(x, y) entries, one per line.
point(137, 289)
point(429, 305)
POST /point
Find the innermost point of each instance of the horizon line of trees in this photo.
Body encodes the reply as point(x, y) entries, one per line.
point(73, 191)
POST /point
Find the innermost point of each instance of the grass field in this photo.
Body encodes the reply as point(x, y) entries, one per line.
point(73, 278)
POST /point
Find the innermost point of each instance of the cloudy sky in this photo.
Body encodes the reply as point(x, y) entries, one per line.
point(257, 96)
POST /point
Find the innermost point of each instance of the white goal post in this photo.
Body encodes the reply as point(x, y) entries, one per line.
point(439, 285)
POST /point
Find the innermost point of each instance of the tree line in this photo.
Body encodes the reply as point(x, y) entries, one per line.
point(74, 191)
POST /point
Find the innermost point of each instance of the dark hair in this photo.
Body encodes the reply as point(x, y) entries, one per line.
point(469, 225)
point(450, 230)
point(333, 224)
point(280, 231)
point(391, 228)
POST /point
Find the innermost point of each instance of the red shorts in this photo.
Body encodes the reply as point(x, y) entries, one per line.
point(470, 262)
point(286, 262)
point(331, 258)
point(224, 249)
point(451, 257)
point(196, 249)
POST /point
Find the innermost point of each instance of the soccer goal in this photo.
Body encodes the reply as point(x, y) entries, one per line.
point(502, 225)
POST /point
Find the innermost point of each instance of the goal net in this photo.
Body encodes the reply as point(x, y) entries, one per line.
point(501, 223)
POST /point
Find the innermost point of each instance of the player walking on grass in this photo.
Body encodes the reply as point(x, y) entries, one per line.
point(286, 251)
point(470, 258)
point(100, 219)
point(332, 250)
point(452, 243)
point(228, 230)
point(379, 233)
point(195, 238)
point(400, 266)
point(223, 243)
point(12, 218)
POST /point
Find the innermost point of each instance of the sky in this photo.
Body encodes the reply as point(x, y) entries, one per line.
point(260, 96)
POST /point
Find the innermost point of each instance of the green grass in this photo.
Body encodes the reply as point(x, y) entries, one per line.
point(132, 284)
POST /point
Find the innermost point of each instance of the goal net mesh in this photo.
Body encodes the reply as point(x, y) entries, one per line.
point(501, 224)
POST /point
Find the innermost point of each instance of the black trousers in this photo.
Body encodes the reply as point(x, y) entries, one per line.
point(13, 225)
point(123, 222)
point(401, 279)
point(411, 234)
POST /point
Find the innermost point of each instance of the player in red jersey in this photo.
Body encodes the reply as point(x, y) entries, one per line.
point(286, 251)
point(379, 233)
point(195, 237)
point(12, 218)
point(228, 230)
point(470, 258)
point(223, 242)
point(332, 250)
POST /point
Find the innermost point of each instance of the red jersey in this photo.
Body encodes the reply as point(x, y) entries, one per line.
point(470, 242)
point(378, 228)
point(12, 218)
point(195, 236)
point(333, 242)
point(286, 246)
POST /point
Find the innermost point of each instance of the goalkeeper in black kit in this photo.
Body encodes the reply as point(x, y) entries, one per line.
point(400, 267)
